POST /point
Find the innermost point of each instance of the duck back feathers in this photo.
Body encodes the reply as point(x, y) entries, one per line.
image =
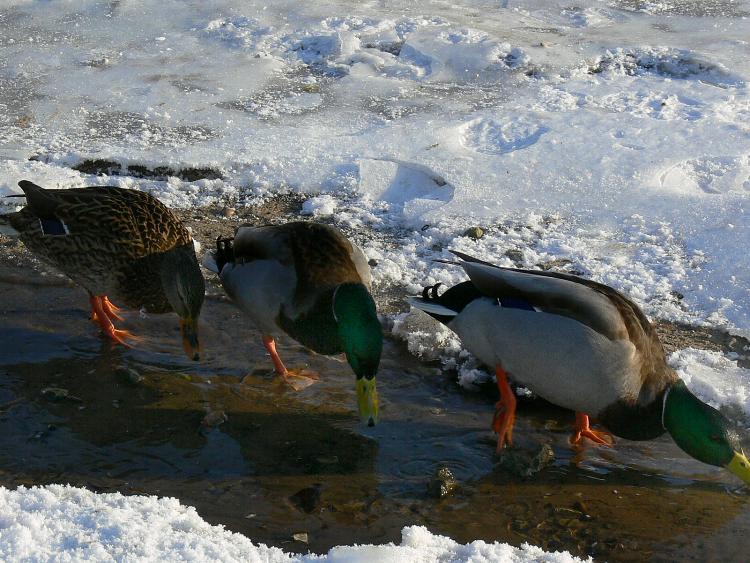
point(320, 256)
point(109, 240)
point(593, 304)
point(130, 223)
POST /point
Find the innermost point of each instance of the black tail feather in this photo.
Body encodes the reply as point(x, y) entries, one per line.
point(224, 251)
point(467, 258)
point(430, 293)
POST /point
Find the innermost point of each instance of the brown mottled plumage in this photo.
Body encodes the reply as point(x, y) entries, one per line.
point(114, 242)
point(111, 231)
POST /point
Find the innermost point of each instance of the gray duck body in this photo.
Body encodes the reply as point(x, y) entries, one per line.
point(574, 342)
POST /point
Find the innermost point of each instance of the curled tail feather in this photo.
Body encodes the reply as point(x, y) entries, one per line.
point(215, 260)
point(429, 302)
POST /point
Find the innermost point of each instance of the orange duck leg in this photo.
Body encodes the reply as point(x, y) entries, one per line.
point(583, 430)
point(298, 379)
point(103, 312)
point(505, 410)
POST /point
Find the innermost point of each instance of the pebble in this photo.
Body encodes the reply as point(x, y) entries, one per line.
point(308, 499)
point(129, 375)
point(300, 536)
point(214, 419)
point(59, 394)
point(556, 264)
point(474, 233)
point(526, 464)
point(228, 212)
point(515, 255)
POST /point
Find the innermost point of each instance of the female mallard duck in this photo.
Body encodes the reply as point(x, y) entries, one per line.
point(309, 281)
point(583, 346)
point(120, 243)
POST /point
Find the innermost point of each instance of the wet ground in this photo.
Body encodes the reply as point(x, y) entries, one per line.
point(227, 437)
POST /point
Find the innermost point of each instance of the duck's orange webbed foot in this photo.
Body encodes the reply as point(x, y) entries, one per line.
point(297, 379)
point(110, 309)
point(102, 313)
point(505, 410)
point(583, 430)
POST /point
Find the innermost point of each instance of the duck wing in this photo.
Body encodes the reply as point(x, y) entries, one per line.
point(593, 304)
point(605, 311)
point(320, 255)
point(598, 306)
point(105, 220)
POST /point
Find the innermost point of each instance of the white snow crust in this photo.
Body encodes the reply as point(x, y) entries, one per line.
point(64, 523)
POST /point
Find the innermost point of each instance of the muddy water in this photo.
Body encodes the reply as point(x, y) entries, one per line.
point(227, 437)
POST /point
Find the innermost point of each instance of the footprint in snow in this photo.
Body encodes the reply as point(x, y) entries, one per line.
point(712, 175)
point(488, 136)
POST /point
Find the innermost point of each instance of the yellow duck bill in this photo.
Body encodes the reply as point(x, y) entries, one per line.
point(189, 328)
point(367, 401)
point(740, 466)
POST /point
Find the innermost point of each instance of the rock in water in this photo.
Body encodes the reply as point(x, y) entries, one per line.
point(129, 375)
point(525, 464)
point(442, 484)
point(308, 499)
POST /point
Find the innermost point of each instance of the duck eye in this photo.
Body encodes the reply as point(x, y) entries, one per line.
point(715, 437)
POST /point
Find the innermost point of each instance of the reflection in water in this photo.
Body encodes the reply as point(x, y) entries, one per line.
point(228, 437)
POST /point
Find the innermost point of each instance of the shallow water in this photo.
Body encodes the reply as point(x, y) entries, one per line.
point(100, 429)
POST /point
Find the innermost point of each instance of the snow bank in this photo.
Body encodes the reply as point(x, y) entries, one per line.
point(64, 523)
point(716, 378)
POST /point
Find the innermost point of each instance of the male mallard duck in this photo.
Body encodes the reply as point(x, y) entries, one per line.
point(120, 243)
point(583, 346)
point(311, 282)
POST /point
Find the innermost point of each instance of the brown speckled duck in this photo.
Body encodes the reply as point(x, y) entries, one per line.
point(583, 346)
point(117, 243)
point(310, 282)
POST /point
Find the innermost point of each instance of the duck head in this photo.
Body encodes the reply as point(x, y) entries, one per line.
point(185, 289)
point(703, 432)
point(362, 339)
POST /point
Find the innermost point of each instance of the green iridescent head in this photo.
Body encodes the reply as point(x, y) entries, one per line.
point(362, 338)
point(703, 432)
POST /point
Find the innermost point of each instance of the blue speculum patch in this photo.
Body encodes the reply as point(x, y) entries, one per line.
point(53, 226)
point(516, 303)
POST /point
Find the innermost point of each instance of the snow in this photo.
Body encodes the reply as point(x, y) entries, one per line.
point(715, 378)
point(64, 523)
point(320, 206)
point(622, 123)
